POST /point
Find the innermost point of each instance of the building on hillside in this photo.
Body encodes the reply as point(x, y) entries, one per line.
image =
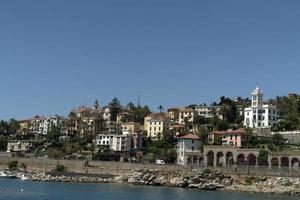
point(106, 113)
point(52, 121)
point(188, 150)
point(186, 115)
point(37, 125)
point(18, 146)
point(122, 117)
point(260, 115)
point(41, 125)
point(136, 141)
point(131, 127)
point(236, 138)
point(115, 142)
point(155, 124)
point(24, 126)
point(177, 129)
point(122, 143)
point(173, 114)
point(208, 111)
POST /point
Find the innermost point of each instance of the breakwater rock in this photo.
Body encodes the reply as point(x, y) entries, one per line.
point(266, 185)
point(208, 180)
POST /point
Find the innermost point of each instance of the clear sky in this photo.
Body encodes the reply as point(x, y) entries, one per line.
point(59, 54)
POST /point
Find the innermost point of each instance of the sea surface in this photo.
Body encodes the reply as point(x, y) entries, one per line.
point(11, 189)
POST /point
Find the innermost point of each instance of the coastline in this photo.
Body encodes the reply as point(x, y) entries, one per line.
point(207, 180)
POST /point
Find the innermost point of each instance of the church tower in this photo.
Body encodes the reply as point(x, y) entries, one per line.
point(257, 98)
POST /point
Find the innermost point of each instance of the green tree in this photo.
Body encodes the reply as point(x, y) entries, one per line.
point(222, 125)
point(115, 108)
point(54, 135)
point(3, 143)
point(263, 157)
point(277, 139)
point(96, 104)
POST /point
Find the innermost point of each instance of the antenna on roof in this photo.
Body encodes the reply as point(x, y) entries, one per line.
point(139, 98)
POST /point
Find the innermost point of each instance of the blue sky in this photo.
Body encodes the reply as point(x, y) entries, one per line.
point(59, 54)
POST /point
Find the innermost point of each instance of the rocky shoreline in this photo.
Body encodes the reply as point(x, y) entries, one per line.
point(207, 180)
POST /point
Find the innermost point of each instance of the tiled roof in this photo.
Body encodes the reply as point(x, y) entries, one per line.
point(190, 136)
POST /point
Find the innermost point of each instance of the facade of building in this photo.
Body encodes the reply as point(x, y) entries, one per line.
point(173, 114)
point(41, 125)
point(131, 127)
point(186, 114)
point(260, 115)
point(188, 149)
point(155, 124)
point(208, 111)
point(235, 138)
point(121, 117)
point(118, 143)
point(18, 146)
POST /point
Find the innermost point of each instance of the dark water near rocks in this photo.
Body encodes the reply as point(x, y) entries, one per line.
point(27, 190)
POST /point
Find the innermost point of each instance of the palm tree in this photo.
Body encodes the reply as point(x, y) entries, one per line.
point(160, 108)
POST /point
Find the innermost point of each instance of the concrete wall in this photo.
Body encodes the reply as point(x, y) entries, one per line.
point(94, 167)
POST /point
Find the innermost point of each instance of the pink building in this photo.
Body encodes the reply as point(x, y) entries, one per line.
point(236, 138)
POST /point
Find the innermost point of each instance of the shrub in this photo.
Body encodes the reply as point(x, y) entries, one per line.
point(250, 180)
point(59, 168)
point(12, 165)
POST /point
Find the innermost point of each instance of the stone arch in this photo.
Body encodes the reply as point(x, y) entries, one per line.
point(189, 160)
point(195, 160)
point(285, 161)
point(229, 159)
point(251, 159)
point(219, 159)
point(241, 159)
point(201, 161)
point(274, 162)
point(295, 162)
point(210, 158)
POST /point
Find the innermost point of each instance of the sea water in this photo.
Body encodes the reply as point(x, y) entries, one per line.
point(12, 189)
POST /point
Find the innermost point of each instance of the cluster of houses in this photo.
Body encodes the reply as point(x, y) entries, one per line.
point(127, 136)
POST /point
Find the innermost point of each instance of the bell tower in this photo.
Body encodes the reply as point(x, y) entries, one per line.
point(257, 98)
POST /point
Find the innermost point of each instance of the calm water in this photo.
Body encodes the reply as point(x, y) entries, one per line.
point(11, 189)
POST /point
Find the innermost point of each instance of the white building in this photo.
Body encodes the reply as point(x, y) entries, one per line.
point(121, 143)
point(186, 114)
point(260, 115)
point(208, 111)
point(42, 125)
point(188, 149)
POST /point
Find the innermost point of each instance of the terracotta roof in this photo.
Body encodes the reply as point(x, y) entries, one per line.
point(190, 136)
point(177, 126)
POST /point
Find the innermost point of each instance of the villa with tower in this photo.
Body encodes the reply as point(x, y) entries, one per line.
point(260, 115)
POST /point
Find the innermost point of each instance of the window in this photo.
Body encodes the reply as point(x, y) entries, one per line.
point(192, 148)
point(192, 141)
point(230, 137)
point(235, 137)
